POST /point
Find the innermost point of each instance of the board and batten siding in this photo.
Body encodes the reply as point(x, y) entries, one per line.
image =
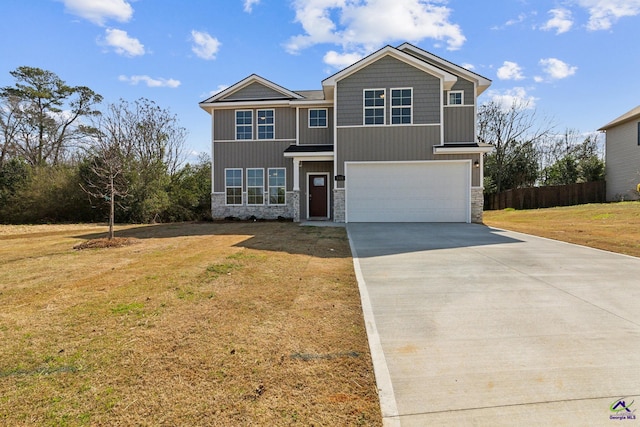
point(622, 165)
point(254, 91)
point(224, 123)
point(249, 154)
point(315, 136)
point(459, 125)
point(389, 73)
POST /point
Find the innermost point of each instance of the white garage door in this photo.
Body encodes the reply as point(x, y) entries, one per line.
point(436, 191)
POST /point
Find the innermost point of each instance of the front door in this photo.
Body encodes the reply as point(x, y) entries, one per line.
point(318, 193)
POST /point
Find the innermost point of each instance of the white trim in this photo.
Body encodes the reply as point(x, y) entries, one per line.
point(297, 126)
point(322, 156)
point(335, 132)
point(450, 92)
point(296, 175)
point(441, 149)
point(253, 78)
point(254, 140)
point(310, 103)
point(389, 126)
point(448, 78)
point(234, 105)
point(377, 107)
point(328, 186)
point(391, 107)
point(241, 187)
point(258, 110)
point(441, 113)
point(213, 169)
point(326, 118)
point(254, 186)
point(268, 200)
point(235, 120)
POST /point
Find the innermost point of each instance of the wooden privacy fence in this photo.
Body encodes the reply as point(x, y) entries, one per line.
point(547, 197)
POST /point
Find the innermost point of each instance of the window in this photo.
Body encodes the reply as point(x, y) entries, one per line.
point(233, 186)
point(374, 106)
point(255, 186)
point(265, 124)
point(244, 124)
point(455, 97)
point(401, 101)
point(318, 118)
point(277, 186)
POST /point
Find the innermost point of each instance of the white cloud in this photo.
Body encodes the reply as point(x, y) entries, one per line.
point(99, 11)
point(122, 43)
point(468, 66)
point(561, 21)
point(604, 13)
point(516, 96)
point(341, 60)
point(150, 82)
point(248, 5)
point(510, 71)
point(364, 25)
point(556, 69)
point(205, 46)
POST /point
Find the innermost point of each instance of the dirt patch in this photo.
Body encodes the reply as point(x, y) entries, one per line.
point(116, 242)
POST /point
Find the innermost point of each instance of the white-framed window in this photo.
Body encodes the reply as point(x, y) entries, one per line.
point(266, 124)
point(373, 101)
point(455, 97)
point(233, 186)
point(255, 186)
point(244, 124)
point(401, 106)
point(317, 117)
point(277, 186)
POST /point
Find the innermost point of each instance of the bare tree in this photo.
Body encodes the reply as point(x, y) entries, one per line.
point(509, 130)
point(10, 117)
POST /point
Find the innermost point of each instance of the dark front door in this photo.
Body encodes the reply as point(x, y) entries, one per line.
point(318, 196)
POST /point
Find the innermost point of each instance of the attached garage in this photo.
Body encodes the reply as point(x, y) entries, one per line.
point(421, 191)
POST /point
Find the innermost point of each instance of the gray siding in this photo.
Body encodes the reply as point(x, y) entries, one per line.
point(467, 87)
point(315, 136)
point(459, 124)
point(224, 124)
point(394, 144)
point(388, 73)
point(622, 161)
point(310, 167)
point(249, 154)
point(255, 91)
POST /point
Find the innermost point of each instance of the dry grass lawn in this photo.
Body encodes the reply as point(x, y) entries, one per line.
point(222, 324)
point(613, 227)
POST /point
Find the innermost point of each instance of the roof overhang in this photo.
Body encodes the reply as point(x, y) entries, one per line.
point(631, 115)
point(482, 83)
point(329, 83)
point(463, 148)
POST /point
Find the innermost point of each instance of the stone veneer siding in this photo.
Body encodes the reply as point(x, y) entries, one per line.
point(219, 210)
point(477, 204)
point(338, 205)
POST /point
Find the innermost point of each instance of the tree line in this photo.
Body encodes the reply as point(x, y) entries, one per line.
point(529, 152)
point(66, 158)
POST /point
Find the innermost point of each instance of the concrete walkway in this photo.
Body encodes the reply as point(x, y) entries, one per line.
point(470, 325)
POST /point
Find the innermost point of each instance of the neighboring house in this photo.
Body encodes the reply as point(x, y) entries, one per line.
point(389, 138)
point(622, 156)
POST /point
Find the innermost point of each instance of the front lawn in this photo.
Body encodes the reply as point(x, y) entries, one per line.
point(610, 226)
point(188, 324)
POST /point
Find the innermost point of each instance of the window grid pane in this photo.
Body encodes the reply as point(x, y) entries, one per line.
point(317, 118)
point(401, 100)
point(233, 184)
point(255, 186)
point(265, 124)
point(374, 107)
point(455, 98)
point(277, 193)
point(244, 124)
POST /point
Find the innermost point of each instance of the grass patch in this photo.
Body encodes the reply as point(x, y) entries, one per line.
point(241, 323)
point(613, 227)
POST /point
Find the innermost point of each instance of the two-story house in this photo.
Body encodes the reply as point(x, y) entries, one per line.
point(391, 138)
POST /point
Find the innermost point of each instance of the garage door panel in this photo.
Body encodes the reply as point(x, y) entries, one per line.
point(407, 192)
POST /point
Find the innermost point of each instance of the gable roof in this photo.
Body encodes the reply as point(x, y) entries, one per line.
point(482, 83)
point(246, 82)
point(626, 117)
point(448, 78)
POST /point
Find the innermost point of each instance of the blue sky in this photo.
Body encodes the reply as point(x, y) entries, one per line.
point(575, 61)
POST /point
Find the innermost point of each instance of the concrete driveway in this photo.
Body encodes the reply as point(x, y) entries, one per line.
point(470, 325)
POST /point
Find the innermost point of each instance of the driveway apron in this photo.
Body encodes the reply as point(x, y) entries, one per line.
point(470, 325)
